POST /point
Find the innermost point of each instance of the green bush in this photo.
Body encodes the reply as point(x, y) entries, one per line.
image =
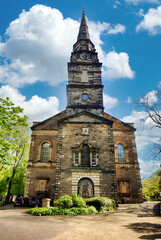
point(70, 201)
point(102, 204)
point(92, 209)
point(59, 211)
point(64, 202)
point(77, 201)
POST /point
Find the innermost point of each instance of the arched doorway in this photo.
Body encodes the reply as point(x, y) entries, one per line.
point(85, 155)
point(85, 188)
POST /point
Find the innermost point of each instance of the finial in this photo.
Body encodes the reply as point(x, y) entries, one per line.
point(83, 8)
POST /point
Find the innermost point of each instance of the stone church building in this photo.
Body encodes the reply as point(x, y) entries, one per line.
point(83, 149)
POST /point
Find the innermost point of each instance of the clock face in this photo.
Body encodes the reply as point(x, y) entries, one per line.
point(84, 56)
point(84, 97)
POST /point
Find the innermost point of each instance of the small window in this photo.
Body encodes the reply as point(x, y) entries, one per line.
point(45, 152)
point(120, 154)
point(94, 159)
point(76, 158)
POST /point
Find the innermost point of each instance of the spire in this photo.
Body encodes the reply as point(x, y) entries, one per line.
point(83, 29)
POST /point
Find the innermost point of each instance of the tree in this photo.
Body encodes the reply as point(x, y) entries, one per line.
point(19, 161)
point(14, 146)
point(151, 105)
point(10, 120)
point(151, 186)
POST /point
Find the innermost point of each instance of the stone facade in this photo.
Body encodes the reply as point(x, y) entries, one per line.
point(83, 149)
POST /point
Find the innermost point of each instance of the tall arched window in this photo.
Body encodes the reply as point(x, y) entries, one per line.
point(85, 155)
point(120, 154)
point(44, 152)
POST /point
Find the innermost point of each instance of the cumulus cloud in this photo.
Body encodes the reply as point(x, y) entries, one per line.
point(135, 2)
point(150, 98)
point(116, 65)
point(148, 167)
point(38, 46)
point(118, 28)
point(37, 108)
point(146, 134)
point(151, 21)
point(109, 102)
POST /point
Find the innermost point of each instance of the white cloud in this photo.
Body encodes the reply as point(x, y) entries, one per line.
point(109, 102)
point(150, 98)
point(148, 167)
point(116, 4)
point(119, 28)
point(116, 65)
point(135, 2)
point(37, 108)
point(129, 100)
point(146, 134)
point(151, 21)
point(39, 43)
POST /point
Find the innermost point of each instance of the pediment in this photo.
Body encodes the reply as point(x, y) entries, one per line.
point(50, 123)
point(119, 125)
point(86, 117)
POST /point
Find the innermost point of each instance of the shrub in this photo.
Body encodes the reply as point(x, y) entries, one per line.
point(70, 201)
point(77, 201)
point(91, 209)
point(64, 202)
point(102, 204)
point(59, 211)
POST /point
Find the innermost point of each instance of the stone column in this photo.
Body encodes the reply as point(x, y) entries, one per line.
point(46, 202)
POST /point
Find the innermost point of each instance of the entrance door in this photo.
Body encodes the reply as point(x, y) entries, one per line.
point(85, 155)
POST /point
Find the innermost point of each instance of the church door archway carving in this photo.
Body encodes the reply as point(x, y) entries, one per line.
point(85, 155)
point(86, 188)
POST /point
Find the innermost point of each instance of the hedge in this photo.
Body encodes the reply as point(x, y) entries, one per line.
point(52, 211)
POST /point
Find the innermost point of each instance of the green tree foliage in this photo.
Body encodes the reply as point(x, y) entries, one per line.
point(68, 201)
point(14, 148)
point(151, 188)
point(157, 173)
point(11, 120)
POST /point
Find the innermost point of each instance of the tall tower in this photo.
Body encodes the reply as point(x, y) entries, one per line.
point(84, 88)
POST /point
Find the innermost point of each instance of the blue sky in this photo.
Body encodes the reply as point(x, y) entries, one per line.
point(36, 39)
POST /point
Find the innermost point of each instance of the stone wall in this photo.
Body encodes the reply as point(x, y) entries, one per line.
point(100, 137)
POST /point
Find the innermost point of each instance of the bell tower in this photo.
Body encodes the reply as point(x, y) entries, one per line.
point(84, 88)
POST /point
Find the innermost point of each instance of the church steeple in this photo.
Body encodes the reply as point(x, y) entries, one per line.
point(84, 88)
point(83, 40)
point(83, 29)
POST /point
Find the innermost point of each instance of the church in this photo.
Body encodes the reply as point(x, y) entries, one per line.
point(83, 149)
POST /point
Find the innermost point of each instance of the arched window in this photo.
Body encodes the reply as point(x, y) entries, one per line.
point(120, 154)
point(85, 155)
point(44, 152)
